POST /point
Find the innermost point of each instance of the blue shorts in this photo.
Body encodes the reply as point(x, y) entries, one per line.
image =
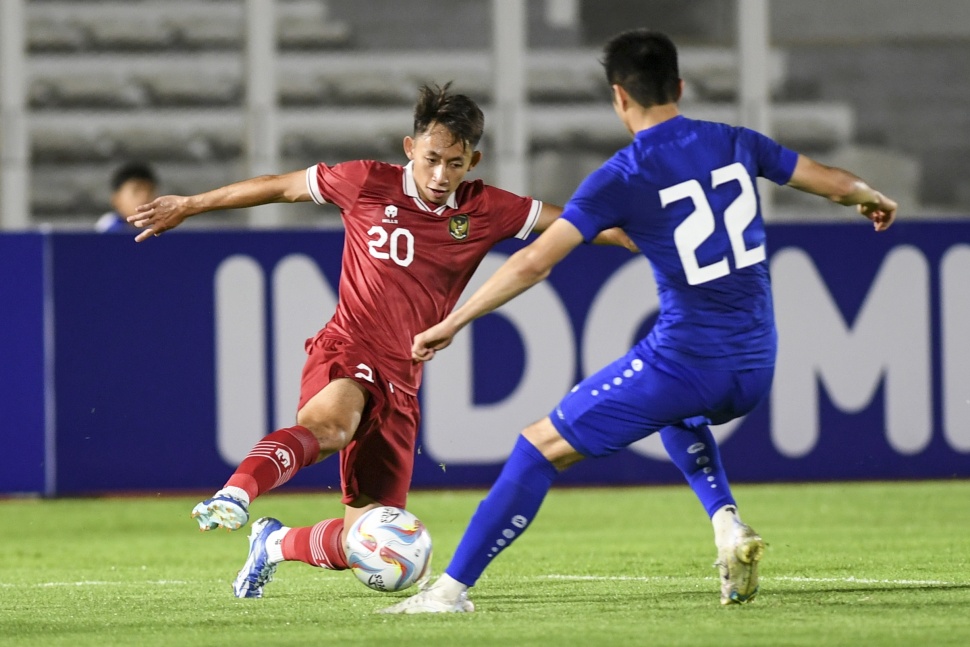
point(643, 392)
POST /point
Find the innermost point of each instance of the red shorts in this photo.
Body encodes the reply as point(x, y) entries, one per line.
point(379, 461)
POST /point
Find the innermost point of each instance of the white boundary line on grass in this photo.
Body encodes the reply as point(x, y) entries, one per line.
point(864, 580)
point(664, 578)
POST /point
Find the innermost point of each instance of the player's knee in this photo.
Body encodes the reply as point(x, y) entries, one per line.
point(546, 438)
point(331, 435)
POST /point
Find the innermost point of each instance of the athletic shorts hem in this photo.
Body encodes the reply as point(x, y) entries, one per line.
point(566, 432)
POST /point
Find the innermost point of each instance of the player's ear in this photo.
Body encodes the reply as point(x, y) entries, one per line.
point(620, 98)
point(409, 146)
point(476, 158)
point(680, 89)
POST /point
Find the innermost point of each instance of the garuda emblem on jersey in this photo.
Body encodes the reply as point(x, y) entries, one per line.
point(458, 226)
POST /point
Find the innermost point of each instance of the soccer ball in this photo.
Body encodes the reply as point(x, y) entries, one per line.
point(388, 549)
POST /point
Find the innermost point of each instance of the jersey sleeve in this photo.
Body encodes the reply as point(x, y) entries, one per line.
point(596, 204)
point(516, 216)
point(775, 162)
point(338, 184)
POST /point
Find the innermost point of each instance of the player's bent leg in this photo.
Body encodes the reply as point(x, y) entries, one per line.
point(326, 424)
point(502, 516)
point(271, 462)
point(260, 564)
point(356, 509)
point(695, 452)
point(319, 545)
point(334, 414)
point(546, 438)
point(738, 557)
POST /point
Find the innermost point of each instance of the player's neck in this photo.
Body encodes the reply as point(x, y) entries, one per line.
point(644, 118)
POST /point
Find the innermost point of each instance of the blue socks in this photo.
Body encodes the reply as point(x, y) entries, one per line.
point(504, 513)
point(527, 476)
point(695, 452)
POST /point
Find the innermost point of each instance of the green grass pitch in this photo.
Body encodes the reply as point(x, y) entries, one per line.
point(847, 564)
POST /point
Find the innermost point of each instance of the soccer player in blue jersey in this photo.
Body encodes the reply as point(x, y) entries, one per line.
point(685, 193)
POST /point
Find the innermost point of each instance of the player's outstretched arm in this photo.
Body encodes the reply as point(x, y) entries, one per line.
point(843, 187)
point(169, 211)
point(521, 271)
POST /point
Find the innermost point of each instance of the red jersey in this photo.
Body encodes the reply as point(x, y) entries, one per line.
point(405, 263)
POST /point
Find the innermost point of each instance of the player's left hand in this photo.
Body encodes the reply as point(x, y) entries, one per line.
point(882, 212)
point(618, 237)
point(427, 343)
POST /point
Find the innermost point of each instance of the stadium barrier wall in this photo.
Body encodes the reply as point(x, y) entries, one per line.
point(156, 366)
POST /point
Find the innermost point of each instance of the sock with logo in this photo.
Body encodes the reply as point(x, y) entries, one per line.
point(317, 545)
point(695, 452)
point(504, 513)
point(274, 460)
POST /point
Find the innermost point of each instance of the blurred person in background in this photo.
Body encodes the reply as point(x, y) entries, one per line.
point(132, 184)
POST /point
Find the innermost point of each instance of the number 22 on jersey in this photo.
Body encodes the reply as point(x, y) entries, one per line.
point(700, 224)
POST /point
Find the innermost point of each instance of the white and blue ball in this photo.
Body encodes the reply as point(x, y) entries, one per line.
point(388, 549)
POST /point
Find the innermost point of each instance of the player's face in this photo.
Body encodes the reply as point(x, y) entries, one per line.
point(131, 194)
point(440, 162)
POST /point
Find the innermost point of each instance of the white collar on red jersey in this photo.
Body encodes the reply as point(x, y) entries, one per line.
point(411, 190)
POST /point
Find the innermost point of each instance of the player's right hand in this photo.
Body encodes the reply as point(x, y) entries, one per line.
point(160, 215)
point(435, 338)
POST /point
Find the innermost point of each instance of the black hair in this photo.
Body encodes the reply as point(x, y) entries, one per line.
point(132, 171)
point(644, 63)
point(456, 112)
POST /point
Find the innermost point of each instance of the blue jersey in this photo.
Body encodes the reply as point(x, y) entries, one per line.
point(113, 223)
point(685, 192)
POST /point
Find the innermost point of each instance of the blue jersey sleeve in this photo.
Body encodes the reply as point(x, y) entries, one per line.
point(597, 204)
point(775, 162)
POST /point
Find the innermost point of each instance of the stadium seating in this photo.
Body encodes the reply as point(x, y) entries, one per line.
point(53, 33)
point(110, 81)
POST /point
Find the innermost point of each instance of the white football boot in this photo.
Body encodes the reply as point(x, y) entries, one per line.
point(444, 596)
point(258, 570)
point(737, 562)
point(229, 510)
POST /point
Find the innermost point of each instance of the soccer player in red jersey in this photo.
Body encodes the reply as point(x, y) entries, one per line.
point(414, 237)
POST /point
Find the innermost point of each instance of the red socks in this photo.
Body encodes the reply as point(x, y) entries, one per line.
point(317, 545)
point(274, 460)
